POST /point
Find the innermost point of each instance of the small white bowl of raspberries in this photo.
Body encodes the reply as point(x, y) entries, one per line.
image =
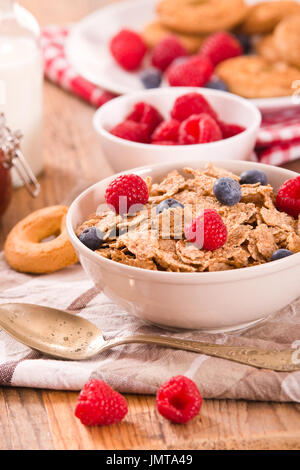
point(172, 124)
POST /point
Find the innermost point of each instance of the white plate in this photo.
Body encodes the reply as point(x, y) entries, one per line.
point(87, 48)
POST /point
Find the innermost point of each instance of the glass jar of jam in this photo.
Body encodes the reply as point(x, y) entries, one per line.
point(12, 157)
point(5, 185)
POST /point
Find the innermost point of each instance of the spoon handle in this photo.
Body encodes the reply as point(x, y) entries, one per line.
point(283, 361)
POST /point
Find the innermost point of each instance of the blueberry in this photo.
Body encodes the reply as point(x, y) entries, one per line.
point(227, 191)
point(168, 204)
point(92, 237)
point(279, 254)
point(217, 84)
point(245, 42)
point(151, 78)
point(253, 176)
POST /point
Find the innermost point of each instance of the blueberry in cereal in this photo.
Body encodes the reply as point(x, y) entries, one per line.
point(279, 254)
point(168, 204)
point(92, 238)
point(227, 191)
point(253, 177)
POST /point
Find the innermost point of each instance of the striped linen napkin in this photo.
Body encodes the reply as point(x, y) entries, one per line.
point(279, 137)
point(139, 368)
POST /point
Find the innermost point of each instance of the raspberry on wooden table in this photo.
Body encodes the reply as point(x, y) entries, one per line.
point(207, 231)
point(221, 46)
point(179, 400)
point(126, 191)
point(128, 49)
point(99, 405)
point(166, 51)
point(199, 129)
point(191, 103)
point(192, 72)
point(288, 197)
point(144, 113)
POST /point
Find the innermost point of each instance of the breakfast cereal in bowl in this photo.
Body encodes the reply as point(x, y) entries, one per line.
point(192, 245)
point(199, 220)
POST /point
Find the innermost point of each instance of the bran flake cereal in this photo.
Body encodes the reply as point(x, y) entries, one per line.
point(155, 241)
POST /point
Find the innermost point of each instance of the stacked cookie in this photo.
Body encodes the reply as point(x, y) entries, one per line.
point(272, 26)
point(275, 27)
point(192, 21)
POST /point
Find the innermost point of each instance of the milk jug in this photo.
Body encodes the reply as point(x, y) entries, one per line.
point(21, 81)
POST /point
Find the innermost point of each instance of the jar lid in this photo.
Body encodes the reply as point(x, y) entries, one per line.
point(13, 157)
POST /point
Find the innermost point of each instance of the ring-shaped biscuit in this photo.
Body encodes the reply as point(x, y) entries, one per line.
point(201, 17)
point(24, 251)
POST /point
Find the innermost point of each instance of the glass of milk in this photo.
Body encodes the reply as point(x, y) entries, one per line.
point(21, 80)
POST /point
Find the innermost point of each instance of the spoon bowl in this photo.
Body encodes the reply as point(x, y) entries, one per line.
point(53, 332)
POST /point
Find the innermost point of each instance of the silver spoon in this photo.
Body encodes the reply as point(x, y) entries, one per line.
point(64, 335)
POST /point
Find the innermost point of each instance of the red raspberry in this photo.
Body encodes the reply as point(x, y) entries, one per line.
point(167, 50)
point(207, 231)
point(192, 72)
point(288, 197)
point(166, 131)
point(230, 130)
point(164, 142)
point(128, 49)
point(99, 405)
point(179, 400)
point(191, 103)
point(144, 113)
point(126, 191)
point(221, 46)
point(199, 129)
point(130, 130)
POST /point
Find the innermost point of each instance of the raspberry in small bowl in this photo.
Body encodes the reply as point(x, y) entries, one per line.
point(172, 124)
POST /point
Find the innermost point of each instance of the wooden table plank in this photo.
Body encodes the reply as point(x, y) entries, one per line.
point(222, 424)
point(23, 420)
point(34, 419)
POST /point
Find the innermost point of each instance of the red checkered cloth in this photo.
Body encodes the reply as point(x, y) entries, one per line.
point(278, 139)
point(59, 71)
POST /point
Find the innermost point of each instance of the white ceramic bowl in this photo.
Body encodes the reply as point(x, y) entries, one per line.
point(216, 301)
point(123, 155)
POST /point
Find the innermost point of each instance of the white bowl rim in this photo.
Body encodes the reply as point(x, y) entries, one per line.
point(174, 277)
point(157, 91)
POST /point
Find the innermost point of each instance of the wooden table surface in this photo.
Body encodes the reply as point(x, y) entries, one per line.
point(41, 419)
